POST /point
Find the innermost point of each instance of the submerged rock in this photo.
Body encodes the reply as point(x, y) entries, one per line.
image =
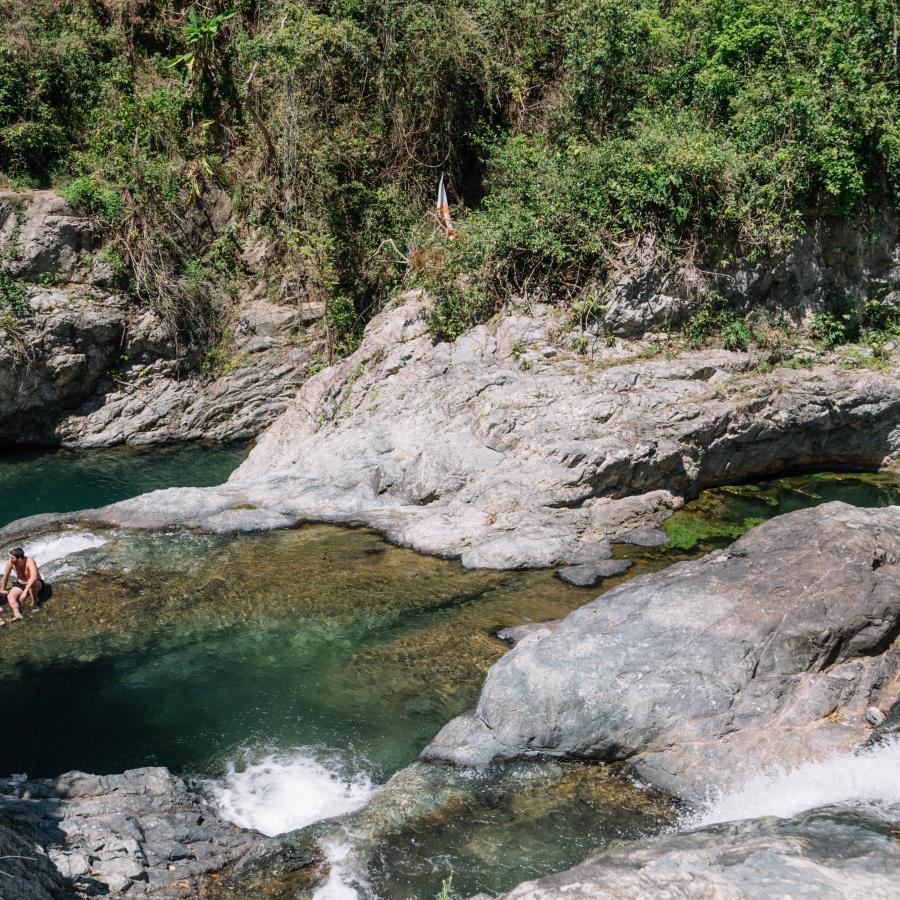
point(837, 852)
point(769, 652)
point(588, 574)
point(140, 833)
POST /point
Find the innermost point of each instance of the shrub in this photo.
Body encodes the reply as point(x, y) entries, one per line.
point(13, 296)
point(86, 194)
point(831, 329)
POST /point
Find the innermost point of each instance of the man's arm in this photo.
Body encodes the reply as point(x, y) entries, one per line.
point(6, 572)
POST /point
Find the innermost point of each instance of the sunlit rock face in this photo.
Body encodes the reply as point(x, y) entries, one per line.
point(139, 833)
point(508, 450)
point(770, 652)
point(80, 365)
point(838, 852)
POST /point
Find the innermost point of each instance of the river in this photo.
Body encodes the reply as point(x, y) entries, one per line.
point(292, 672)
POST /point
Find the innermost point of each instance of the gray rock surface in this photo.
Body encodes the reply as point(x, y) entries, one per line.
point(771, 651)
point(829, 854)
point(833, 263)
point(84, 367)
point(588, 574)
point(41, 235)
point(456, 449)
point(80, 369)
point(140, 833)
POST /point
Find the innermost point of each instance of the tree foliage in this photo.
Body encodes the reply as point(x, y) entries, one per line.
point(564, 126)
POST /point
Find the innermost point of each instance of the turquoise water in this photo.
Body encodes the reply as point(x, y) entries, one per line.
point(209, 654)
point(38, 481)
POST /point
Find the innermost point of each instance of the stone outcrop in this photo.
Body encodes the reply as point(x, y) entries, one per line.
point(770, 652)
point(508, 450)
point(835, 853)
point(836, 263)
point(141, 833)
point(82, 366)
point(41, 236)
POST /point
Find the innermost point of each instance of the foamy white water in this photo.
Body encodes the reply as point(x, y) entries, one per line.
point(871, 776)
point(54, 547)
point(283, 792)
point(338, 885)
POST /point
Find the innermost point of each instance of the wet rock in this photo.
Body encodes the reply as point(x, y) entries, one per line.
point(588, 574)
point(770, 651)
point(139, 833)
point(642, 537)
point(533, 631)
point(839, 852)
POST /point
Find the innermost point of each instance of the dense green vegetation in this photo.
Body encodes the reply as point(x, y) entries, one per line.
point(564, 126)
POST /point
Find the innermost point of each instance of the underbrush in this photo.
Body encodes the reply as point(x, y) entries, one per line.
point(565, 128)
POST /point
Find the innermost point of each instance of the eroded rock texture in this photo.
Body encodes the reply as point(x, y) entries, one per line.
point(462, 449)
point(83, 366)
point(140, 833)
point(767, 653)
point(834, 853)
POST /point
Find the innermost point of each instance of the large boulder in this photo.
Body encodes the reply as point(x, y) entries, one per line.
point(769, 652)
point(834, 853)
point(139, 833)
point(42, 236)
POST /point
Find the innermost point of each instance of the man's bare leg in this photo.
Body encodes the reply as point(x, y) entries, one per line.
point(13, 598)
point(35, 593)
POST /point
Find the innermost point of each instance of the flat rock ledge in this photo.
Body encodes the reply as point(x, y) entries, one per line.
point(508, 450)
point(834, 853)
point(769, 652)
point(139, 833)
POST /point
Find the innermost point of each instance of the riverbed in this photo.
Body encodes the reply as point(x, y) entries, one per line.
point(290, 673)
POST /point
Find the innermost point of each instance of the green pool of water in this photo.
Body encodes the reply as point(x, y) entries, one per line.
point(208, 654)
point(38, 481)
point(721, 515)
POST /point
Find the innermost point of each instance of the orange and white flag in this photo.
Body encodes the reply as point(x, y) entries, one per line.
point(443, 211)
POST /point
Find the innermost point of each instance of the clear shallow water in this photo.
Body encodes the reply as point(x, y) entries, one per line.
point(719, 516)
point(296, 670)
point(38, 481)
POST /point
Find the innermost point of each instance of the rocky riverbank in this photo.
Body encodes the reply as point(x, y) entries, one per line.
point(509, 450)
point(82, 365)
point(141, 833)
point(771, 651)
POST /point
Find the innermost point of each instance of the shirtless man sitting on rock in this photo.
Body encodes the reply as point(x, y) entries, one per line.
point(28, 581)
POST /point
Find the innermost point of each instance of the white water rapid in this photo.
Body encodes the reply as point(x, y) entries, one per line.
point(283, 792)
point(53, 548)
point(871, 776)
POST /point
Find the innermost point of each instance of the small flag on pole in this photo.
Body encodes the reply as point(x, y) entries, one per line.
point(443, 211)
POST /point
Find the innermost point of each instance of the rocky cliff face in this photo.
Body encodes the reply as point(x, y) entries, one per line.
point(834, 264)
point(83, 366)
